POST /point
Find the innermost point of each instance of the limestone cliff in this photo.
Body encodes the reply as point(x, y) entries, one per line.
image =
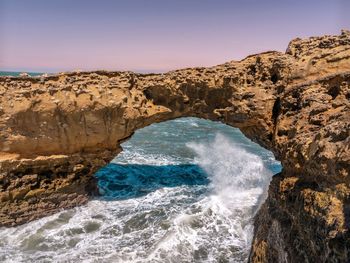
point(56, 131)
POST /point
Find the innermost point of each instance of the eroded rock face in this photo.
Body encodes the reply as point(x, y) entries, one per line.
point(56, 131)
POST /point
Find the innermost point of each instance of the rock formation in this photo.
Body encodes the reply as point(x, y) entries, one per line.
point(56, 131)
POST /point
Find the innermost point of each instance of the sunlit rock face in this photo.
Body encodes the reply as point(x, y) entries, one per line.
point(56, 131)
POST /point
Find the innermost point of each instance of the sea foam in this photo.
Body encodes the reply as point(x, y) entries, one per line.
point(189, 201)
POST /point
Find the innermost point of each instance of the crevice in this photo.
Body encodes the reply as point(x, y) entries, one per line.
point(147, 94)
point(274, 78)
point(334, 91)
point(276, 110)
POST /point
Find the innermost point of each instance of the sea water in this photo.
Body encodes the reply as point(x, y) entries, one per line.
point(16, 73)
point(181, 191)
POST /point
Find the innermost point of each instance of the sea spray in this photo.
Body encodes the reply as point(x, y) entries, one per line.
point(179, 192)
point(232, 170)
point(219, 226)
point(239, 182)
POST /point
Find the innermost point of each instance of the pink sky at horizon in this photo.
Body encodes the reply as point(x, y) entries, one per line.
point(50, 36)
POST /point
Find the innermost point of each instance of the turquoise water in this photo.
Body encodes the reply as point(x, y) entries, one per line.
point(13, 73)
point(181, 191)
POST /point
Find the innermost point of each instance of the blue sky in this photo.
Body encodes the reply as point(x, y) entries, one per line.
point(154, 35)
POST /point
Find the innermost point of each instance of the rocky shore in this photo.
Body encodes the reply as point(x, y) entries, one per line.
point(57, 130)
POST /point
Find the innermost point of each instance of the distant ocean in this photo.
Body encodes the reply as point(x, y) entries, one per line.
point(13, 73)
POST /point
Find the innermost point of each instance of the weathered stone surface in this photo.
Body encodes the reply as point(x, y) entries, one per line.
point(56, 131)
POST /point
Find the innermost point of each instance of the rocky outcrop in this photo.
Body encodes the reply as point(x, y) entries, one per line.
point(56, 131)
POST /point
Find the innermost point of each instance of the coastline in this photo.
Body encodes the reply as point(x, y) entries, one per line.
point(295, 104)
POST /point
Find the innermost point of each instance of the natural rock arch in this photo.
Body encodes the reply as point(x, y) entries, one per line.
point(56, 131)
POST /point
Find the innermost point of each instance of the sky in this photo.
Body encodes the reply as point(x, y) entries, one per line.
point(155, 35)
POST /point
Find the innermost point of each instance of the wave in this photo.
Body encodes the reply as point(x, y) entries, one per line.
point(156, 207)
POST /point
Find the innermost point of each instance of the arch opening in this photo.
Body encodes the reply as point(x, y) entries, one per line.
point(202, 183)
point(185, 189)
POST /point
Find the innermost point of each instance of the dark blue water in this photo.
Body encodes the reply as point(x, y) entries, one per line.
point(181, 191)
point(123, 181)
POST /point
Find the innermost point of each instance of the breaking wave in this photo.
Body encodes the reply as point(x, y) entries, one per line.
point(188, 198)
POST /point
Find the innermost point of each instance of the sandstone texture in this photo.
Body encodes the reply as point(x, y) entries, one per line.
point(56, 131)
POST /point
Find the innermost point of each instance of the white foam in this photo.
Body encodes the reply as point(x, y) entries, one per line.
point(130, 156)
point(238, 180)
point(178, 224)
